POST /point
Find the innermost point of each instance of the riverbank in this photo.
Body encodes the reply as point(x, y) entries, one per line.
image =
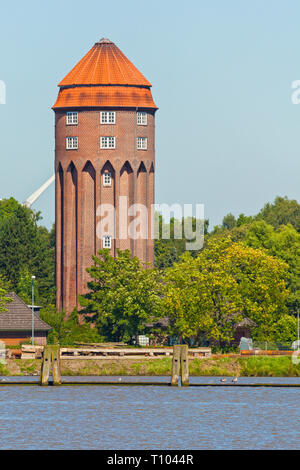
point(280, 366)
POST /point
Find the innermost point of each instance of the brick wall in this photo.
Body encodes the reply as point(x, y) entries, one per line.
point(11, 338)
point(80, 190)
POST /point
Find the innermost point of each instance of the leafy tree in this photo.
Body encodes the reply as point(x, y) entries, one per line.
point(243, 220)
point(229, 221)
point(285, 330)
point(123, 296)
point(8, 207)
point(4, 299)
point(224, 284)
point(68, 330)
point(169, 250)
point(282, 212)
point(26, 249)
point(284, 243)
point(24, 287)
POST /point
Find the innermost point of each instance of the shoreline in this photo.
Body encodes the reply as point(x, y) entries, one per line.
point(263, 366)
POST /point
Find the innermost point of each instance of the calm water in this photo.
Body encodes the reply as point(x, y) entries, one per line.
point(150, 417)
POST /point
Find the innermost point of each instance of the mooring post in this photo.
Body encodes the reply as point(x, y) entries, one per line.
point(51, 355)
point(45, 368)
point(56, 365)
point(175, 364)
point(184, 359)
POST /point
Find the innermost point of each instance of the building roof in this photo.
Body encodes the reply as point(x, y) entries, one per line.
point(246, 322)
point(104, 77)
point(104, 96)
point(18, 317)
point(104, 64)
point(163, 322)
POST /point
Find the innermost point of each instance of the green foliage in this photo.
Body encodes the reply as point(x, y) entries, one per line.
point(282, 212)
point(4, 299)
point(168, 250)
point(122, 296)
point(224, 284)
point(66, 331)
point(284, 243)
point(285, 330)
point(229, 222)
point(25, 250)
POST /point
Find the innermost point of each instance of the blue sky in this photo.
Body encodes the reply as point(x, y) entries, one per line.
point(228, 135)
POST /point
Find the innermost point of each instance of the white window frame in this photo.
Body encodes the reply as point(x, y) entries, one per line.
point(106, 143)
point(107, 242)
point(71, 143)
point(142, 118)
point(72, 118)
point(142, 143)
point(108, 117)
point(107, 179)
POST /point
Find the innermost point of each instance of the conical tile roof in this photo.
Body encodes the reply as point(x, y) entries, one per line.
point(105, 64)
point(104, 77)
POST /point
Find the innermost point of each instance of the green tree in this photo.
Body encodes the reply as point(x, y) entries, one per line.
point(168, 250)
point(123, 296)
point(229, 221)
point(285, 330)
point(224, 284)
point(4, 298)
point(26, 249)
point(282, 212)
point(284, 243)
point(68, 330)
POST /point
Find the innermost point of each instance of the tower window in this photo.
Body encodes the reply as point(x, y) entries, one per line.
point(142, 118)
point(72, 118)
point(72, 143)
point(107, 178)
point(107, 142)
point(108, 117)
point(107, 242)
point(142, 143)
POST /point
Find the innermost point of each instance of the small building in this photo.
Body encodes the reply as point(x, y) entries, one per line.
point(243, 330)
point(16, 324)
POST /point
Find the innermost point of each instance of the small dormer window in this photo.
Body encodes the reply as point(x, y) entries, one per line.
point(72, 118)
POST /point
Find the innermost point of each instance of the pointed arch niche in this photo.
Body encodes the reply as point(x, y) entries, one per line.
point(70, 235)
point(87, 226)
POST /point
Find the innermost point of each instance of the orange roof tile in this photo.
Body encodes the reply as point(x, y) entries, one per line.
point(105, 96)
point(104, 64)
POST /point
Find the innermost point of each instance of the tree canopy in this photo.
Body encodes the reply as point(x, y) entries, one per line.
point(123, 296)
point(223, 285)
point(26, 249)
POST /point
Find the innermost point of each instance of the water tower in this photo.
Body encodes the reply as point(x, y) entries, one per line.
point(104, 149)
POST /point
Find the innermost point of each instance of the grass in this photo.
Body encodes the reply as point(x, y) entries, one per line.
point(4, 369)
point(280, 366)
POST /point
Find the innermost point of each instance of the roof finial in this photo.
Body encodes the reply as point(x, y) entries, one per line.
point(104, 41)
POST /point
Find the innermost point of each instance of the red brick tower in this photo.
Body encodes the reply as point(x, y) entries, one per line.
point(104, 149)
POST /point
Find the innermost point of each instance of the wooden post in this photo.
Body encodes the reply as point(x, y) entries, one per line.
point(51, 354)
point(184, 359)
point(45, 369)
point(175, 365)
point(56, 365)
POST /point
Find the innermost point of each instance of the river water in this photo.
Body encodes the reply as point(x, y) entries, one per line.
point(136, 417)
